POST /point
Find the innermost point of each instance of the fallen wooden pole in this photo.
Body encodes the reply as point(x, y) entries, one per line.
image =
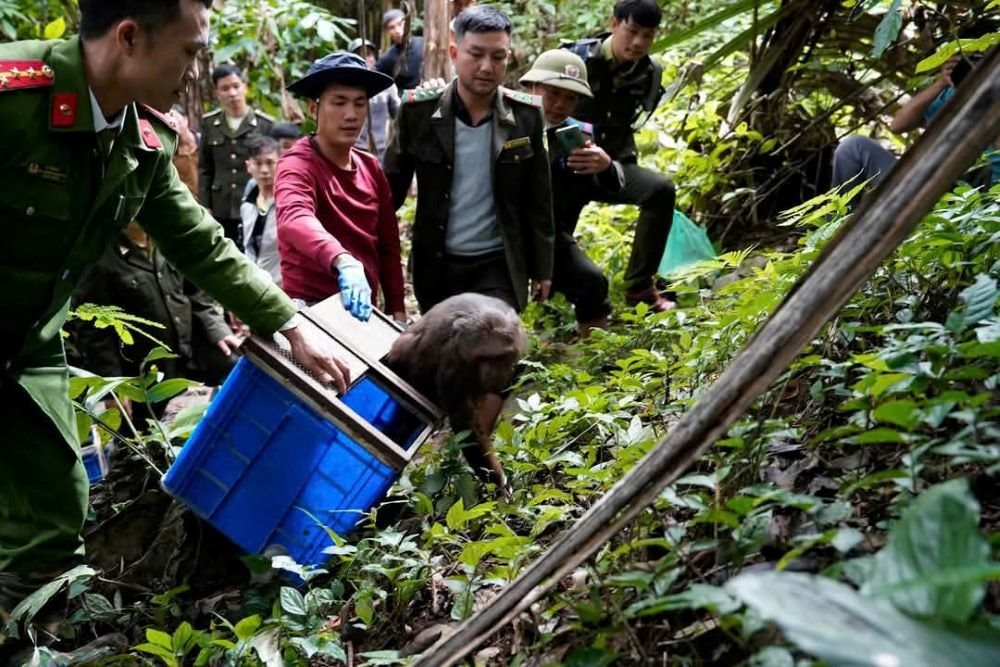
point(953, 142)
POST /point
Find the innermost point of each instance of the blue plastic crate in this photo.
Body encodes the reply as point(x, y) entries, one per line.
point(265, 468)
point(95, 462)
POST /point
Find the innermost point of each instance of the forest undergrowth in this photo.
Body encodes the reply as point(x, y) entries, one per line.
point(859, 491)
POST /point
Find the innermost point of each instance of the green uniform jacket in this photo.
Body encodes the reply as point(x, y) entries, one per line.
point(222, 161)
point(143, 283)
point(622, 93)
point(58, 215)
point(425, 142)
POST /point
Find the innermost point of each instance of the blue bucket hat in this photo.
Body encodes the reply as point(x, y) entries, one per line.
point(341, 67)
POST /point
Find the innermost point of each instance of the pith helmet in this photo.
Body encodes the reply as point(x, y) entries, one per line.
point(562, 69)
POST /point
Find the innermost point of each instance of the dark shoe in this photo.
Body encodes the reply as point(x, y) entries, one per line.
point(650, 296)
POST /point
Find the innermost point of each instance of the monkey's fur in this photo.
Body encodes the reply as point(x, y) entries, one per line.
point(459, 353)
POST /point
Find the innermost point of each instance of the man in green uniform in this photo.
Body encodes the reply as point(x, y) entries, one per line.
point(225, 136)
point(133, 275)
point(626, 87)
point(83, 156)
point(484, 206)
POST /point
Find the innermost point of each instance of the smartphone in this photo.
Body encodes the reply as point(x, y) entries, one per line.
point(569, 138)
point(963, 67)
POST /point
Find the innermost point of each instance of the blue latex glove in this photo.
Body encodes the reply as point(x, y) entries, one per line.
point(354, 288)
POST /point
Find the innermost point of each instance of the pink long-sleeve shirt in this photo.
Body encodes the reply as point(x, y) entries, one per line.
point(324, 210)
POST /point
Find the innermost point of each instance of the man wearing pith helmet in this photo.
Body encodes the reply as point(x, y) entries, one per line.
point(337, 227)
point(579, 174)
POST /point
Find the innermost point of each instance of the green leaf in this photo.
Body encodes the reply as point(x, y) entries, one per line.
point(458, 516)
point(169, 659)
point(246, 628)
point(877, 435)
point(159, 638)
point(698, 596)
point(904, 413)
point(25, 611)
point(938, 536)
point(169, 388)
point(182, 639)
point(980, 299)
point(591, 656)
point(888, 29)
point(292, 601)
point(675, 38)
point(54, 29)
point(836, 624)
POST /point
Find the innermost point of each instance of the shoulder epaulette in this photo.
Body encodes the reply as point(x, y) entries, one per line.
point(214, 112)
point(521, 96)
point(161, 117)
point(261, 114)
point(21, 74)
point(420, 95)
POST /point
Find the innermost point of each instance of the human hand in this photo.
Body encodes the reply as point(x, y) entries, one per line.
point(235, 324)
point(327, 368)
point(228, 345)
point(944, 76)
point(432, 84)
point(355, 291)
point(540, 289)
point(589, 160)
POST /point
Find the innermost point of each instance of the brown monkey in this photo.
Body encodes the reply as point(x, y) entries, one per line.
point(461, 355)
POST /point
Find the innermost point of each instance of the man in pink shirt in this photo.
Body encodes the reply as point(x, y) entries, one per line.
point(337, 228)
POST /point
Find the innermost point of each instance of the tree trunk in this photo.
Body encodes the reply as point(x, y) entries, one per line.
point(437, 17)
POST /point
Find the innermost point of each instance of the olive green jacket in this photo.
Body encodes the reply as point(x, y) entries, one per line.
point(222, 161)
point(141, 282)
point(424, 143)
point(59, 213)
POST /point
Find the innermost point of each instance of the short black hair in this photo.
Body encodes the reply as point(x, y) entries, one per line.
point(262, 144)
point(97, 16)
point(285, 131)
point(224, 70)
point(481, 18)
point(645, 13)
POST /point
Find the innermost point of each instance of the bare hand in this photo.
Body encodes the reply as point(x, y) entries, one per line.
point(327, 368)
point(235, 324)
point(944, 77)
point(540, 289)
point(589, 160)
point(228, 345)
point(432, 84)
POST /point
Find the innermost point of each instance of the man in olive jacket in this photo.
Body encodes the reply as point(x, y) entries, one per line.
point(82, 157)
point(484, 208)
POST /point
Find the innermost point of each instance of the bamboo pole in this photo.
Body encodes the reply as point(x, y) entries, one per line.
point(953, 142)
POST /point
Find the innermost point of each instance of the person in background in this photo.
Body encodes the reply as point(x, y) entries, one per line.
point(405, 55)
point(864, 159)
point(580, 174)
point(225, 133)
point(133, 275)
point(260, 227)
point(337, 229)
point(382, 108)
point(285, 134)
point(626, 85)
point(186, 157)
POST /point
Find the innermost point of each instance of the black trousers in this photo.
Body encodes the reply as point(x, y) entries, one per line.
point(583, 283)
point(654, 194)
point(483, 274)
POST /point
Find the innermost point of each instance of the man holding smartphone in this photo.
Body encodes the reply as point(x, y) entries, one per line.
point(580, 169)
point(626, 86)
point(859, 159)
